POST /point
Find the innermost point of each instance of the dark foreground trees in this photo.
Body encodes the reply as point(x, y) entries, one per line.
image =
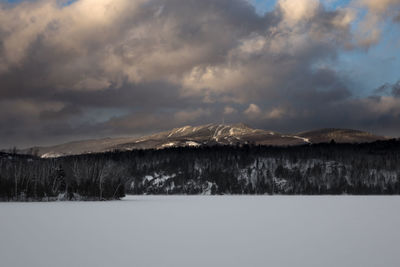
point(74, 178)
point(311, 169)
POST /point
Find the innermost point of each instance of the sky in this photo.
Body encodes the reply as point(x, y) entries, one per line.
point(72, 70)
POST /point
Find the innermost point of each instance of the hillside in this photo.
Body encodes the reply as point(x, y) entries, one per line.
point(340, 136)
point(333, 168)
point(205, 135)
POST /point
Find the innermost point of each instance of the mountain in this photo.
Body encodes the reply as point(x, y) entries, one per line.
point(205, 135)
point(340, 136)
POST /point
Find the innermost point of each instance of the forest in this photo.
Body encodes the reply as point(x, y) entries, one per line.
point(317, 169)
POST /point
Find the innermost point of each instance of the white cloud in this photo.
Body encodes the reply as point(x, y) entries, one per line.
point(370, 28)
point(295, 11)
point(253, 111)
point(275, 113)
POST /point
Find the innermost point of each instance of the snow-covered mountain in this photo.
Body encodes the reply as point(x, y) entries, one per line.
point(206, 135)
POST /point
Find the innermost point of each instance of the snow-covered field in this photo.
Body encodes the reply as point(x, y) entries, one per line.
point(203, 231)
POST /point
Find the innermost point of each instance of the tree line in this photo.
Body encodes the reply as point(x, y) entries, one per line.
point(371, 168)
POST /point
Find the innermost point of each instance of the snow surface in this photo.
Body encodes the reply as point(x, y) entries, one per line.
point(191, 143)
point(171, 144)
point(203, 231)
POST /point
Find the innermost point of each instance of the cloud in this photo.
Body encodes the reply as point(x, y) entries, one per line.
point(396, 89)
point(252, 111)
point(397, 18)
point(370, 28)
point(229, 110)
point(276, 113)
point(388, 89)
point(379, 7)
point(295, 11)
point(185, 116)
point(118, 67)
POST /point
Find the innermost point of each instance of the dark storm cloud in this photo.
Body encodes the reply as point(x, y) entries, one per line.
point(119, 67)
point(389, 89)
point(64, 113)
point(396, 89)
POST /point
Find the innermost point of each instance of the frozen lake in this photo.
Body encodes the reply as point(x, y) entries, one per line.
point(176, 231)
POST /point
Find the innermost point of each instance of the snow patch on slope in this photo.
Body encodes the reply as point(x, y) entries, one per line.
point(51, 155)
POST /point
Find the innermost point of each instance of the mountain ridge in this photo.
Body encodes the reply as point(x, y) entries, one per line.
point(206, 135)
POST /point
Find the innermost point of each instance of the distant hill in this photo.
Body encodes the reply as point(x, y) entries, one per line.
point(206, 135)
point(340, 136)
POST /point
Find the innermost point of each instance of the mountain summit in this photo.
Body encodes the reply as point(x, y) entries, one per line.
point(206, 135)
